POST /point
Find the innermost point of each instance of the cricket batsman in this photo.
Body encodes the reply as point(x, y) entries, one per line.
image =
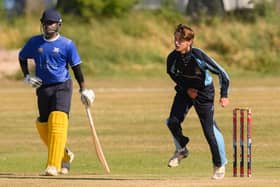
point(189, 68)
point(53, 54)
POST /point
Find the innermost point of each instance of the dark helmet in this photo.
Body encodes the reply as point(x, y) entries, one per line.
point(51, 15)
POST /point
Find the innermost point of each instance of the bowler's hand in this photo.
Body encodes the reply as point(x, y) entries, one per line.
point(224, 101)
point(192, 93)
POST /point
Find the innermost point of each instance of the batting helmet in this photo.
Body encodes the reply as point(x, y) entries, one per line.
point(51, 15)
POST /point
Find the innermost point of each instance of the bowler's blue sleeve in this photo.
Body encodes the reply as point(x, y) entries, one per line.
point(215, 68)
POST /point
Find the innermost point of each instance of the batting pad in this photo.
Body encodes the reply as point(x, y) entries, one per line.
point(57, 127)
point(42, 128)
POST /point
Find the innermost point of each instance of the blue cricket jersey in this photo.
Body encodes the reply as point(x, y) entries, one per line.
point(51, 57)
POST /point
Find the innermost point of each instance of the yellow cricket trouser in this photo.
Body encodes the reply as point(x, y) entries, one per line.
point(55, 136)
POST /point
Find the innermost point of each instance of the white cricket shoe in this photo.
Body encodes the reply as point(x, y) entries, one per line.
point(177, 157)
point(50, 171)
point(218, 172)
point(65, 165)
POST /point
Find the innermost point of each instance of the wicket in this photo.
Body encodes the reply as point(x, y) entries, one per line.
point(249, 140)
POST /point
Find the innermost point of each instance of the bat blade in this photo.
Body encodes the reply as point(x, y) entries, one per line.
point(96, 142)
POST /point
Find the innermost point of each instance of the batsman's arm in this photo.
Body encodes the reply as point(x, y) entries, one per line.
point(34, 81)
point(87, 95)
point(24, 66)
point(79, 76)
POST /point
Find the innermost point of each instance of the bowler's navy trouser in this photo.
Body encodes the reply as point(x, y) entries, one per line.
point(204, 107)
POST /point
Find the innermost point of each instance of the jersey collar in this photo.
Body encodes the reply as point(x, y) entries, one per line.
point(51, 40)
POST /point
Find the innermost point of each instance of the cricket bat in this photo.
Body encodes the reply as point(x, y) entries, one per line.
point(97, 145)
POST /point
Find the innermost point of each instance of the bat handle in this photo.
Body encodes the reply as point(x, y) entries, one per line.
point(89, 115)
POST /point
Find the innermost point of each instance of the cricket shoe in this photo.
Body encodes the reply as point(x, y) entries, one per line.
point(218, 172)
point(177, 157)
point(50, 171)
point(65, 164)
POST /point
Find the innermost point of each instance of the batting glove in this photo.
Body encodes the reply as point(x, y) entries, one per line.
point(35, 82)
point(87, 97)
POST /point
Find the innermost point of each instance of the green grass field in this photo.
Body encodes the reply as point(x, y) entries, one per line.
point(130, 121)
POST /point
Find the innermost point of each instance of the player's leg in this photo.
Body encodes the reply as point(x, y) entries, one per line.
point(63, 103)
point(54, 105)
point(58, 136)
point(43, 101)
point(44, 95)
point(66, 161)
point(68, 156)
point(42, 128)
point(179, 109)
point(213, 136)
point(57, 127)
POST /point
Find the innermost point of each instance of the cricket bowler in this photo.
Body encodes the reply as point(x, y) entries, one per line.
point(189, 68)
